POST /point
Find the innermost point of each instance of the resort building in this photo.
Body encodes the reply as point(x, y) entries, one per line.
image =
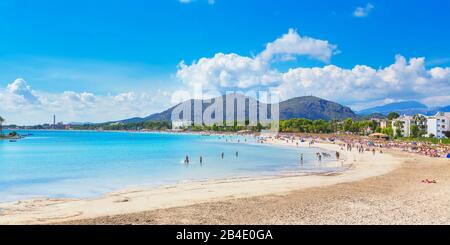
point(438, 124)
point(404, 123)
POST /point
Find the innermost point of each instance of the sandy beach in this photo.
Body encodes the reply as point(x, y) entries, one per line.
point(375, 189)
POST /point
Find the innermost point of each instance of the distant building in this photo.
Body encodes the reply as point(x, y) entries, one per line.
point(438, 124)
point(405, 125)
point(383, 124)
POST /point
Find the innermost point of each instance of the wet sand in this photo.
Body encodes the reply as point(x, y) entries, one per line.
point(398, 197)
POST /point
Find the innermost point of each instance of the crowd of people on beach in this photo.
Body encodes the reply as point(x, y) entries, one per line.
point(367, 144)
point(347, 142)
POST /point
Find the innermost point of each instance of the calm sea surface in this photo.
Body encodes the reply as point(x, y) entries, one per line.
point(70, 164)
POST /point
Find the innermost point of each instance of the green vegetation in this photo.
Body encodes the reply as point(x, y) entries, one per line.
point(126, 126)
point(225, 128)
point(393, 115)
point(320, 126)
point(447, 134)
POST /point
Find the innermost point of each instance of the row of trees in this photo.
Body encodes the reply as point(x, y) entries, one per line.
point(226, 128)
point(126, 126)
point(298, 125)
point(302, 125)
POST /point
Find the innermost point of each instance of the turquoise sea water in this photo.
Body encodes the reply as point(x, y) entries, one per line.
point(71, 164)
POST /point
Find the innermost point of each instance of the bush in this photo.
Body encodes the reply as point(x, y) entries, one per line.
point(447, 134)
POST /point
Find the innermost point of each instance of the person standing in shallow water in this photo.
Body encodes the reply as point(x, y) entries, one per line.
point(201, 160)
point(337, 155)
point(186, 160)
point(237, 153)
point(301, 159)
point(223, 155)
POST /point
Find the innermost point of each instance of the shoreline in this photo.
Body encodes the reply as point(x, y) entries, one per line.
point(141, 199)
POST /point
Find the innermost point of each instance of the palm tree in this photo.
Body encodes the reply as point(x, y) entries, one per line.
point(1, 126)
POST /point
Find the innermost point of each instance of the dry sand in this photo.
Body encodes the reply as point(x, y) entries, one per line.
point(381, 189)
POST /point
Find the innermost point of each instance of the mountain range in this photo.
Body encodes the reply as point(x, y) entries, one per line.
point(308, 107)
point(405, 107)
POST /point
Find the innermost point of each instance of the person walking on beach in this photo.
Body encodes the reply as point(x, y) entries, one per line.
point(373, 150)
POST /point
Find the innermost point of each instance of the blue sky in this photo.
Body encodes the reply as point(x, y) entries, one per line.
point(110, 48)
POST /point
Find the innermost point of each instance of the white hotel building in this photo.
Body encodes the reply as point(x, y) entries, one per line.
point(405, 126)
point(435, 125)
point(438, 124)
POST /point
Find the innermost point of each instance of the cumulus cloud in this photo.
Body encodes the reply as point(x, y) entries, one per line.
point(358, 86)
point(292, 44)
point(210, 2)
point(21, 89)
point(21, 104)
point(231, 71)
point(363, 11)
point(227, 71)
point(401, 80)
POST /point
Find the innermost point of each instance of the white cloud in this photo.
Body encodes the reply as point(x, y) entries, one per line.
point(363, 11)
point(210, 2)
point(230, 71)
point(359, 86)
point(226, 71)
point(21, 89)
point(437, 101)
point(401, 80)
point(292, 44)
point(20, 104)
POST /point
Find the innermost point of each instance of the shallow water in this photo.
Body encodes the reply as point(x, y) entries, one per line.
point(72, 164)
